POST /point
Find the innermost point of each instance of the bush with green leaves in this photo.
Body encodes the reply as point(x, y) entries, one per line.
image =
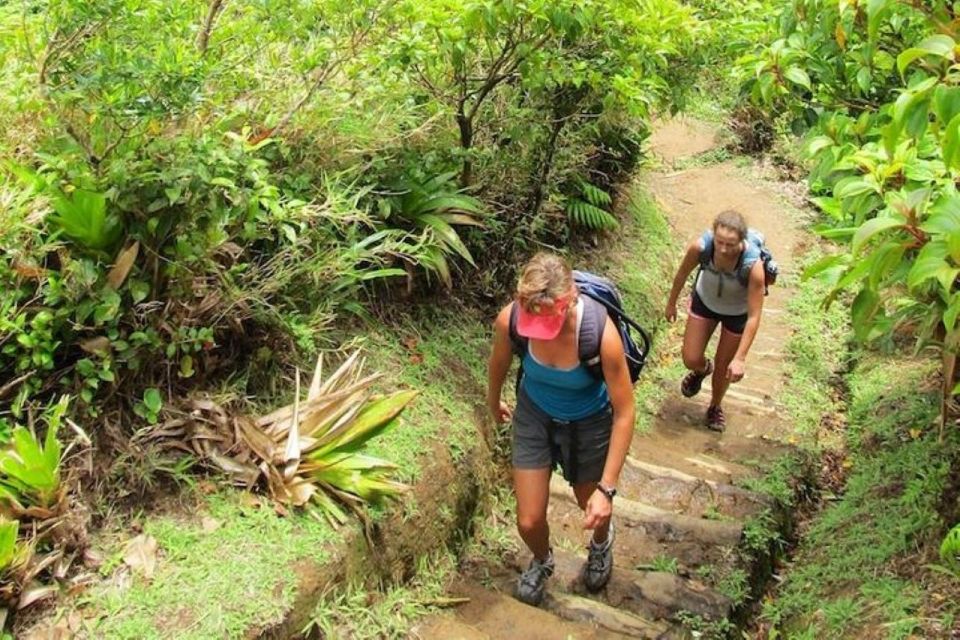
point(197, 192)
point(876, 82)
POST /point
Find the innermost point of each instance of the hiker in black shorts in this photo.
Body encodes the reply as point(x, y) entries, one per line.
point(728, 291)
point(565, 415)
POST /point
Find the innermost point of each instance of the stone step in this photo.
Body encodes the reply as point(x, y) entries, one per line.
point(693, 495)
point(446, 627)
point(651, 595)
point(495, 614)
point(659, 523)
point(584, 610)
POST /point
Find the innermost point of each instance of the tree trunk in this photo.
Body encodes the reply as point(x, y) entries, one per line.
point(538, 191)
point(466, 143)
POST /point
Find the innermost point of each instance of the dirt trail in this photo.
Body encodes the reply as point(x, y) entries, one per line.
point(680, 516)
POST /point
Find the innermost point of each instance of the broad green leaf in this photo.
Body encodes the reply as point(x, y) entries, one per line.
point(931, 263)
point(951, 313)
point(943, 218)
point(951, 143)
point(869, 229)
point(9, 529)
point(938, 45)
point(946, 101)
point(863, 310)
point(152, 399)
point(797, 76)
point(877, 11)
point(818, 143)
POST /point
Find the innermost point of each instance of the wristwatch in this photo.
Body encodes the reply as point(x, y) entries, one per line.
point(607, 491)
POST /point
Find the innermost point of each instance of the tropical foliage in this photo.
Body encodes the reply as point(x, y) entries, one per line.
point(187, 180)
point(876, 85)
point(308, 453)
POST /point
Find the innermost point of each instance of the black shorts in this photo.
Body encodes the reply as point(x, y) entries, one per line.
point(579, 447)
point(733, 324)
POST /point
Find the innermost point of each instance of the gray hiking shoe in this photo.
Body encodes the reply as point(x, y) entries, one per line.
point(532, 583)
point(599, 563)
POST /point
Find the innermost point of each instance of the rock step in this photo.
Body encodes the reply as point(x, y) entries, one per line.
point(693, 495)
point(494, 614)
point(659, 523)
point(651, 595)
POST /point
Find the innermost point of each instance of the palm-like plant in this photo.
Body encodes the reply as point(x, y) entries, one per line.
point(30, 471)
point(309, 453)
point(81, 216)
point(433, 208)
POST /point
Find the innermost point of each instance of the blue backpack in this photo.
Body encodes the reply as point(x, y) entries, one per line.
point(601, 299)
point(756, 250)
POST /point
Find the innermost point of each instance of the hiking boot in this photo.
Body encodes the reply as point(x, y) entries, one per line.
point(716, 421)
point(599, 563)
point(690, 386)
point(532, 583)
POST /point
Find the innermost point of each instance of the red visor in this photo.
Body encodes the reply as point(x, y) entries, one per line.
point(544, 321)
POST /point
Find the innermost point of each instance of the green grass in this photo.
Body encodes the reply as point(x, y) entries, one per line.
point(444, 355)
point(816, 351)
point(358, 612)
point(644, 283)
point(210, 584)
point(860, 564)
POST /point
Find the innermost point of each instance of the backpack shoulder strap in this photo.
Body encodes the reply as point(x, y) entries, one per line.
point(517, 342)
point(751, 254)
point(591, 332)
point(706, 253)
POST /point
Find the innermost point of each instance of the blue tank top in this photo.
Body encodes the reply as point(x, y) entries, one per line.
point(565, 394)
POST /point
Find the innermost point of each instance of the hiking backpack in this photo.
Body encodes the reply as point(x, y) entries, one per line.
point(601, 299)
point(756, 250)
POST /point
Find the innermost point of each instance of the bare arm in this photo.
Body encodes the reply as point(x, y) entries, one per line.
point(498, 366)
point(617, 377)
point(690, 260)
point(755, 288)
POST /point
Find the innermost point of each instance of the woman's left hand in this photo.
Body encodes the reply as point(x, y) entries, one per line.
point(735, 370)
point(599, 509)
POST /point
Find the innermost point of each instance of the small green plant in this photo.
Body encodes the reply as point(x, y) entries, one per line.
point(80, 215)
point(30, 471)
point(760, 534)
point(433, 208)
point(665, 564)
point(950, 550)
point(586, 208)
point(149, 408)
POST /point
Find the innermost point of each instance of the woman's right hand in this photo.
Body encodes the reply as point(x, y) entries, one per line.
point(501, 412)
point(671, 312)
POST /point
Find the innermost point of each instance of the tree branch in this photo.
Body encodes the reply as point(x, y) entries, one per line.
point(203, 39)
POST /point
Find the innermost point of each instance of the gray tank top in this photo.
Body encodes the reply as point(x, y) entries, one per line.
point(720, 291)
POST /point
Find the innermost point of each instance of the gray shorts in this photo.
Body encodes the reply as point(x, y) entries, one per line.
point(579, 447)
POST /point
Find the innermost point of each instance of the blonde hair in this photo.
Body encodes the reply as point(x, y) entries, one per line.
point(733, 220)
point(544, 278)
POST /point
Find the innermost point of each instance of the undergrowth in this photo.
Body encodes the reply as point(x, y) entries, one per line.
point(859, 570)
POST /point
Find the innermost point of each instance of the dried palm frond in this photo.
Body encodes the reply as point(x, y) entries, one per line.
point(307, 454)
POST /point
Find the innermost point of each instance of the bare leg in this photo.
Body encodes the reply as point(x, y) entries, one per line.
point(583, 491)
point(696, 335)
point(532, 487)
point(726, 350)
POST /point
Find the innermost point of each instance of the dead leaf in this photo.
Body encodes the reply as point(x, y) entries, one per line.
point(209, 525)
point(141, 555)
point(121, 269)
point(97, 345)
point(411, 343)
point(416, 358)
point(30, 271)
point(35, 593)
